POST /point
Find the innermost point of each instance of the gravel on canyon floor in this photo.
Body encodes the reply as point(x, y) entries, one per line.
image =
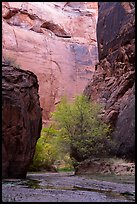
point(66, 187)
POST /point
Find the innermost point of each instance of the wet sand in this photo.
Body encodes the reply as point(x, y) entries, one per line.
point(65, 187)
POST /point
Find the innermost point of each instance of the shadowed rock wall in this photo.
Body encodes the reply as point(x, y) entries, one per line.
point(21, 120)
point(113, 83)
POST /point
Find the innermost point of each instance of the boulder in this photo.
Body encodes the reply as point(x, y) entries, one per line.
point(21, 120)
point(105, 166)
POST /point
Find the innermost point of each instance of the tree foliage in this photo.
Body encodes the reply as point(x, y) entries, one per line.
point(88, 136)
point(52, 148)
point(46, 152)
point(77, 130)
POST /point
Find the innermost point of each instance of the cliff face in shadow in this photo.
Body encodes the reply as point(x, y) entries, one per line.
point(21, 120)
point(54, 40)
point(113, 83)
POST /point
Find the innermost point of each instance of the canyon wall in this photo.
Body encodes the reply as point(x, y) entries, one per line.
point(113, 83)
point(54, 40)
point(21, 120)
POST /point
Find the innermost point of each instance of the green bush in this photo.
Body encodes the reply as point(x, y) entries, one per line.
point(85, 133)
point(51, 151)
point(76, 134)
point(46, 152)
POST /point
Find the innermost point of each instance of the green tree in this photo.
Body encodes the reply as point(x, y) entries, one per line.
point(52, 150)
point(46, 152)
point(77, 132)
point(79, 123)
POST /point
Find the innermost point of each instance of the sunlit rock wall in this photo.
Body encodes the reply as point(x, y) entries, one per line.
point(56, 41)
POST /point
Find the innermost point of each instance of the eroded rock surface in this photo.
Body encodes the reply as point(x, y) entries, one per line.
point(105, 166)
point(113, 83)
point(56, 41)
point(21, 120)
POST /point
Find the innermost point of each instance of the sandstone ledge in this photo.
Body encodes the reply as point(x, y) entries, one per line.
point(106, 166)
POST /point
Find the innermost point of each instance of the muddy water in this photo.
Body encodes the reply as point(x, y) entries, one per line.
point(67, 187)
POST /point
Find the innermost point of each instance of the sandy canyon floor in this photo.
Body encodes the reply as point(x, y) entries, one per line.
point(67, 187)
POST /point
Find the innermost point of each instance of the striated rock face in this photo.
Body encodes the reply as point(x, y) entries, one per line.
point(56, 41)
point(114, 79)
point(21, 120)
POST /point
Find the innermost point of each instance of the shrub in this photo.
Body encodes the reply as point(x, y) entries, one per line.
point(77, 133)
point(46, 152)
point(81, 126)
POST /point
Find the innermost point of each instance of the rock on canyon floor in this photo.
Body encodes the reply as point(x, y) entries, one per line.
point(67, 187)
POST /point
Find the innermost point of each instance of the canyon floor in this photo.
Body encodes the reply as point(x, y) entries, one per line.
point(67, 187)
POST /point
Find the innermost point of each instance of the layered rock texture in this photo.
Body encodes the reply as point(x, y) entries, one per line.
point(113, 83)
point(56, 41)
point(21, 120)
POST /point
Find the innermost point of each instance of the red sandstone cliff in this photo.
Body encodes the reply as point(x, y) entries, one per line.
point(56, 41)
point(21, 120)
point(113, 82)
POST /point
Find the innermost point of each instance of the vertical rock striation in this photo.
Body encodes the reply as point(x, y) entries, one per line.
point(56, 41)
point(113, 83)
point(21, 120)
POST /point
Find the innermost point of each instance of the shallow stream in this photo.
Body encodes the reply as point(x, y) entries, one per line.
point(67, 187)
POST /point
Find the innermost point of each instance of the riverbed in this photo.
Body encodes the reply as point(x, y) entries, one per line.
point(67, 187)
